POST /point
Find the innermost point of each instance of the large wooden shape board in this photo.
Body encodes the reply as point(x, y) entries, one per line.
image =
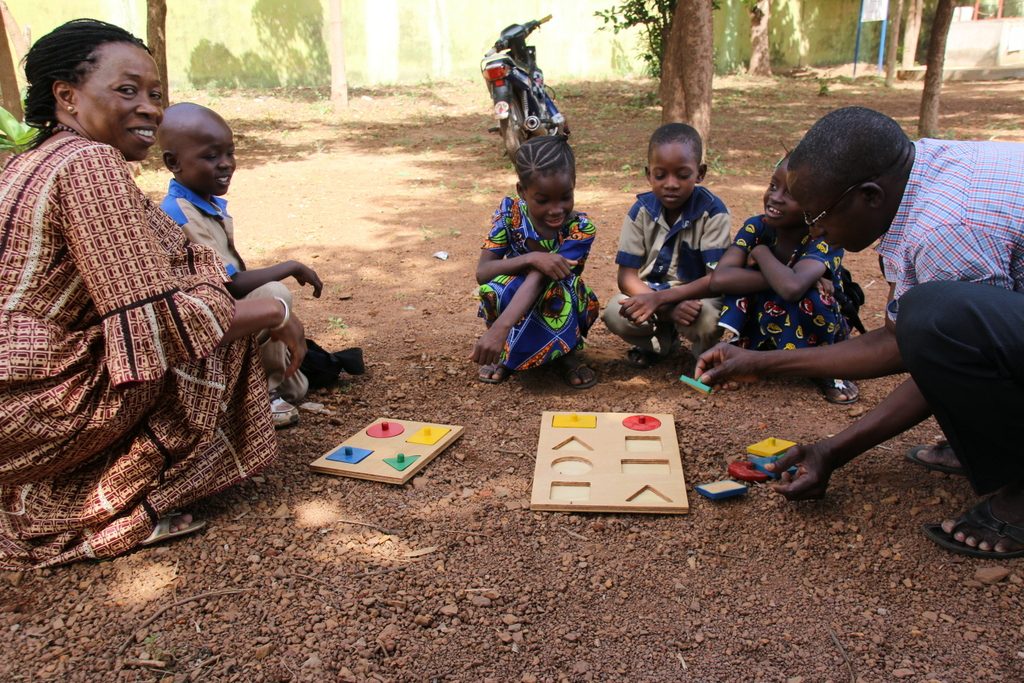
point(609, 467)
point(408, 442)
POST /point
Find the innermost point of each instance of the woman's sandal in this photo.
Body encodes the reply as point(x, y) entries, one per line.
point(162, 531)
point(980, 516)
point(487, 372)
point(831, 388)
point(914, 456)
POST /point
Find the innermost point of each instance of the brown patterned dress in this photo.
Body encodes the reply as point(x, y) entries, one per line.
point(118, 406)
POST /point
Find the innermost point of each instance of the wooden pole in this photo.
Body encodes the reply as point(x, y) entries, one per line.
point(9, 92)
point(339, 80)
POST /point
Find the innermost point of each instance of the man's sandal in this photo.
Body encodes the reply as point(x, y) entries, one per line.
point(162, 530)
point(914, 456)
point(981, 517)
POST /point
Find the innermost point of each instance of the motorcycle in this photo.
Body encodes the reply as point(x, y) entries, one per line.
point(523, 104)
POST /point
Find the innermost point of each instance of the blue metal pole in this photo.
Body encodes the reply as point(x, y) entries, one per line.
point(881, 43)
point(856, 45)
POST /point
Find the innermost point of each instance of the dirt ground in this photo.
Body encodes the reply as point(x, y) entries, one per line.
point(453, 578)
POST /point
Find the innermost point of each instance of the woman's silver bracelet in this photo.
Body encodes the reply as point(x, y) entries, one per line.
point(287, 315)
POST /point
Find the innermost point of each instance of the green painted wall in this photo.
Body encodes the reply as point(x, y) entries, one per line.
point(269, 43)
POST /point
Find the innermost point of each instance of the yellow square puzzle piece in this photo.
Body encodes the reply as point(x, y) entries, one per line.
point(428, 435)
point(574, 421)
point(769, 447)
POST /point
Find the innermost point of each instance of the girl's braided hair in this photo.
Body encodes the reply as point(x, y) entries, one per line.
point(545, 155)
point(67, 53)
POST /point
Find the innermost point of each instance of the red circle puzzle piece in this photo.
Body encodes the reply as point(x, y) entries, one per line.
point(641, 423)
point(385, 429)
point(744, 471)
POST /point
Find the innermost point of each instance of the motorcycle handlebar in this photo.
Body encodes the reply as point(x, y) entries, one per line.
point(530, 27)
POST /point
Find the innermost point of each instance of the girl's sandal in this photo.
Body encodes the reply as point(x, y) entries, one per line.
point(573, 369)
point(831, 389)
point(487, 373)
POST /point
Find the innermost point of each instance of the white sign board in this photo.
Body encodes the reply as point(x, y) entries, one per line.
point(874, 10)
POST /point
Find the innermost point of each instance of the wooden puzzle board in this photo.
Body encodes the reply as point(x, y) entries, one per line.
point(608, 467)
point(374, 467)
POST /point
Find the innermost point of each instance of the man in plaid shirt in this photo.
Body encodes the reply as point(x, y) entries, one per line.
point(950, 219)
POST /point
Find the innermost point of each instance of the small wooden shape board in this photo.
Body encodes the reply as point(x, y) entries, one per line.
point(609, 462)
point(391, 451)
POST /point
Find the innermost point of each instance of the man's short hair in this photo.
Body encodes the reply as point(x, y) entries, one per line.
point(846, 146)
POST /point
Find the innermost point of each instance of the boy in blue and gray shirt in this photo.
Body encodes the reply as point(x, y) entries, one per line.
point(671, 240)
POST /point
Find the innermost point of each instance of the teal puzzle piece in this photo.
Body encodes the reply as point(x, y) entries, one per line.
point(695, 384)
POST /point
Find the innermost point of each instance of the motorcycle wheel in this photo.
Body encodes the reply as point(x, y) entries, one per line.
point(512, 132)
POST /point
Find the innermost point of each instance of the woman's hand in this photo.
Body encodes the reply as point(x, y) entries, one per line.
point(826, 287)
point(489, 346)
point(293, 335)
point(639, 308)
point(552, 266)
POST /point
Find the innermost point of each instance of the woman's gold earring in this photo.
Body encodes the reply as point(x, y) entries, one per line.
point(71, 110)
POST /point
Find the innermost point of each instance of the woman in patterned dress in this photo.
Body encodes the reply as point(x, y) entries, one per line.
point(532, 297)
point(130, 377)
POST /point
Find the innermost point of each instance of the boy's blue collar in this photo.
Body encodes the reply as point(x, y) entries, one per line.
point(216, 208)
point(693, 207)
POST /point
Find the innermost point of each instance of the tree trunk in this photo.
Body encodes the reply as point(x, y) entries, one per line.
point(689, 67)
point(156, 37)
point(894, 41)
point(760, 56)
point(928, 122)
point(9, 92)
point(339, 79)
point(670, 89)
point(913, 31)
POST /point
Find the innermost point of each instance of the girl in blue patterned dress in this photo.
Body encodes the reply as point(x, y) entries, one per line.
point(535, 304)
point(780, 283)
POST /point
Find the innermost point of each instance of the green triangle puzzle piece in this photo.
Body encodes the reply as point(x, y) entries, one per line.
point(401, 461)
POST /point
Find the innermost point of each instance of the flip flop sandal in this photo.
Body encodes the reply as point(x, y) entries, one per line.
point(979, 516)
point(162, 530)
point(574, 372)
point(914, 456)
point(641, 359)
point(841, 386)
point(487, 370)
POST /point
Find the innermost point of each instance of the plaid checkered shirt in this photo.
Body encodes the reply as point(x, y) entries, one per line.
point(961, 218)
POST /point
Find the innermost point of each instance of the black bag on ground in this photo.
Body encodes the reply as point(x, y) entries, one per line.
point(850, 298)
point(322, 367)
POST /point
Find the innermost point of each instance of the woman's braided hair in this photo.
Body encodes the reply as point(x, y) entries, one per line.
point(545, 155)
point(67, 53)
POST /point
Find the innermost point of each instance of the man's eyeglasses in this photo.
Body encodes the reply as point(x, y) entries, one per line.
point(897, 162)
point(812, 221)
